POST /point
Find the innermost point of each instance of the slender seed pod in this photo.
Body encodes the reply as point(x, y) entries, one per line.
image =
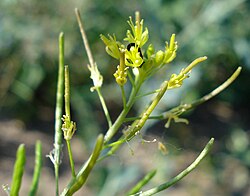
point(18, 171)
point(37, 169)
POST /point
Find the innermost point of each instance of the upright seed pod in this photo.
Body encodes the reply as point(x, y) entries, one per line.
point(18, 170)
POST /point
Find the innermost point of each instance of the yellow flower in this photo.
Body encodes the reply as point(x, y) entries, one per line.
point(133, 57)
point(170, 51)
point(112, 46)
point(137, 36)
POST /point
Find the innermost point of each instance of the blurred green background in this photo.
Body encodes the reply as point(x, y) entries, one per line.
point(219, 29)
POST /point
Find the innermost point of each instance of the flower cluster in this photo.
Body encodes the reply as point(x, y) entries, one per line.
point(132, 54)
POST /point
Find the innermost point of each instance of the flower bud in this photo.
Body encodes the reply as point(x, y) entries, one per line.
point(150, 51)
point(159, 57)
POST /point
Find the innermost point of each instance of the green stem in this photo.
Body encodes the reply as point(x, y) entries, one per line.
point(177, 178)
point(56, 168)
point(112, 130)
point(114, 147)
point(104, 107)
point(137, 125)
point(123, 97)
point(120, 141)
point(58, 112)
point(71, 160)
point(131, 79)
point(142, 182)
point(37, 169)
point(146, 94)
point(159, 117)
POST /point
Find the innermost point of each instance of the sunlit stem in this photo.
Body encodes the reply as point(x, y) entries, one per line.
point(67, 112)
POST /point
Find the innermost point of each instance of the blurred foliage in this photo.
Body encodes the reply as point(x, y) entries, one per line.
point(218, 29)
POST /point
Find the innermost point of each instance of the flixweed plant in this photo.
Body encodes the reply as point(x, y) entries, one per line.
point(137, 61)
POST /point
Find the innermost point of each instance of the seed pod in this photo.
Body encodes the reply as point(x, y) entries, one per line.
point(18, 171)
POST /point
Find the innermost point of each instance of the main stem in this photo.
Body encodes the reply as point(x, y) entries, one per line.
point(113, 130)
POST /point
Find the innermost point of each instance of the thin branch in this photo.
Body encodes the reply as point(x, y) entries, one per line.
point(123, 97)
point(104, 107)
point(177, 178)
point(142, 182)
